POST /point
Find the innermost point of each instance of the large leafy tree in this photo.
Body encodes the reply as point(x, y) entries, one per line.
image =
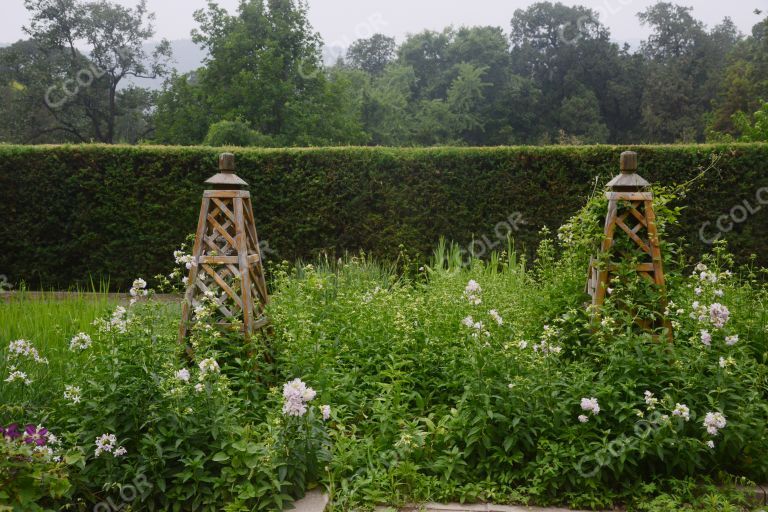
point(744, 84)
point(103, 45)
point(264, 67)
point(372, 54)
point(683, 61)
point(568, 54)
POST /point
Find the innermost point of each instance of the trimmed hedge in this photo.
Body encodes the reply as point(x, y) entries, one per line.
point(75, 211)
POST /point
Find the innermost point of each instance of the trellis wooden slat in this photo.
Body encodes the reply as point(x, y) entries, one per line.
point(626, 190)
point(226, 253)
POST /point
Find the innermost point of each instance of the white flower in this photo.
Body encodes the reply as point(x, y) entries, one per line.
point(296, 394)
point(590, 404)
point(472, 292)
point(80, 341)
point(583, 418)
point(522, 344)
point(732, 340)
point(710, 444)
point(719, 293)
point(120, 451)
point(472, 287)
point(495, 315)
point(697, 290)
point(185, 280)
point(183, 375)
point(718, 314)
point(105, 443)
point(18, 375)
point(682, 411)
point(72, 393)
point(714, 421)
point(706, 337)
point(650, 400)
point(199, 387)
point(138, 289)
point(326, 412)
point(208, 366)
point(701, 267)
point(19, 348)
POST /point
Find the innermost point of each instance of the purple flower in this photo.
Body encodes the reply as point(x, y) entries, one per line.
point(12, 432)
point(33, 435)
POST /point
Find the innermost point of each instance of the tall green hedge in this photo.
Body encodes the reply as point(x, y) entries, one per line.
point(70, 212)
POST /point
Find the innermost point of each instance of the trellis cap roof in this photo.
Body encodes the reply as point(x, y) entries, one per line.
point(226, 178)
point(628, 180)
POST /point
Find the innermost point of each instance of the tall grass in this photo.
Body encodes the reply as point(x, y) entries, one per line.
point(48, 320)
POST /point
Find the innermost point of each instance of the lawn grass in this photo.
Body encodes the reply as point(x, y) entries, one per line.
point(49, 320)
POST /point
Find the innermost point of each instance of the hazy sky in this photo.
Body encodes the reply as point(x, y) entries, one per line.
point(342, 21)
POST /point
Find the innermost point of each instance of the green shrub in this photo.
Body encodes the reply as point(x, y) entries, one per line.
point(118, 211)
point(236, 133)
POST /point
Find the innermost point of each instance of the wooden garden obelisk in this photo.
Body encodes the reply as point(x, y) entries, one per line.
point(226, 259)
point(630, 201)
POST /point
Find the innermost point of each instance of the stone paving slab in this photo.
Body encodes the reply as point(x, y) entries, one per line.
point(316, 501)
point(477, 507)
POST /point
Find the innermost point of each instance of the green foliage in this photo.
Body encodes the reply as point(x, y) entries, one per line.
point(215, 437)
point(88, 211)
point(235, 133)
point(755, 130)
point(29, 481)
point(95, 47)
point(459, 380)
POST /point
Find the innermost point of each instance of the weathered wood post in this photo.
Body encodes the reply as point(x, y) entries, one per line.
point(226, 259)
point(630, 200)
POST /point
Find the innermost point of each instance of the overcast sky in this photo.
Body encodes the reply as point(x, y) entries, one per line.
point(342, 21)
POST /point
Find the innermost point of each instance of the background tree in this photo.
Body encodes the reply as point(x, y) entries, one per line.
point(373, 54)
point(112, 39)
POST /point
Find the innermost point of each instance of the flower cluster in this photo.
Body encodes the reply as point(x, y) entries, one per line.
point(207, 366)
point(107, 443)
point(682, 411)
point(118, 322)
point(24, 348)
point(650, 400)
point(325, 410)
point(18, 375)
point(37, 437)
point(183, 259)
point(72, 393)
point(472, 292)
point(590, 405)
point(546, 345)
point(714, 422)
point(138, 289)
point(476, 326)
point(496, 317)
point(718, 315)
point(80, 341)
point(296, 395)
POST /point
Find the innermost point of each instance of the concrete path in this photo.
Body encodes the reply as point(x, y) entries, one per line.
point(316, 501)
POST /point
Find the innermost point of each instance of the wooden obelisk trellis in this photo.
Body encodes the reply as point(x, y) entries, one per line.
point(629, 194)
point(226, 259)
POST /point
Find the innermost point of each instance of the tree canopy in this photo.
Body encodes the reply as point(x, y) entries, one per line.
point(553, 74)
